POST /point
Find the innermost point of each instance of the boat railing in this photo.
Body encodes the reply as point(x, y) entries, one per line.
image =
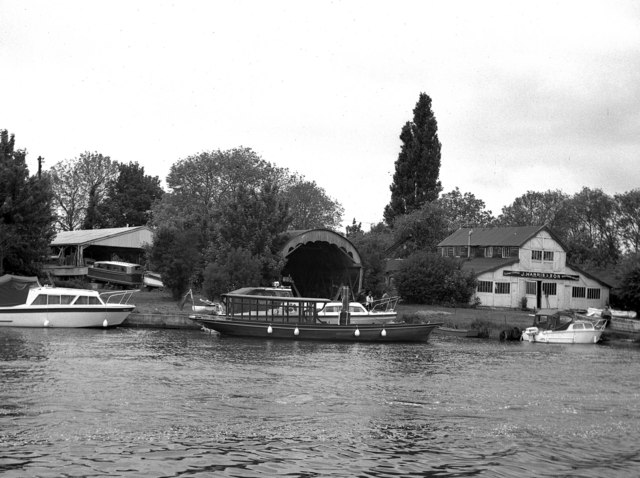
point(388, 304)
point(293, 310)
point(120, 297)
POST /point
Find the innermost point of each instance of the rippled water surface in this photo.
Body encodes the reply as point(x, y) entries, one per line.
point(142, 402)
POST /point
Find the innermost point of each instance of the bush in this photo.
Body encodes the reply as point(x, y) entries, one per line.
point(432, 279)
point(238, 268)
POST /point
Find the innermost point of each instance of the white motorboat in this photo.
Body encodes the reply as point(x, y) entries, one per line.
point(558, 327)
point(152, 280)
point(383, 311)
point(25, 303)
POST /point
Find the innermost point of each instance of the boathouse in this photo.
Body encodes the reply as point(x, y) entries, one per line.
point(514, 264)
point(73, 251)
point(319, 261)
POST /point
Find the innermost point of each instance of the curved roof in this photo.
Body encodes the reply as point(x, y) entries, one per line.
point(304, 237)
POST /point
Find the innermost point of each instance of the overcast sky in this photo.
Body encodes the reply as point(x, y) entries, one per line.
point(530, 95)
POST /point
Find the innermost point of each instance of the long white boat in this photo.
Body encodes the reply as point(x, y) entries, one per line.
point(25, 303)
point(558, 327)
point(382, 312)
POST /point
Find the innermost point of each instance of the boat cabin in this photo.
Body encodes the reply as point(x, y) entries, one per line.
point(271, 308)
point(551, 319)
point(115, 272)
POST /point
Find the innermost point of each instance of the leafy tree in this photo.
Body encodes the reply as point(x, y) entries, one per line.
point(421, 230)
point(79, 187)
point(253, 221)
point(629, 219)
point(433, 279)
point(629, 294)
point(238, 268)
point(372, 247)
point(26, 217)
point(310, 207)
point(535, 209)
point(129, 198)
point(590, 228)
point(464, 210)
point(174, 254)
point(354, 230)
point(415, 181)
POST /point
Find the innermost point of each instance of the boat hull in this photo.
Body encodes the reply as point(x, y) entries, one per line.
point(324, 332)
point(624, 324)
point(65, 317)
point(563, 337)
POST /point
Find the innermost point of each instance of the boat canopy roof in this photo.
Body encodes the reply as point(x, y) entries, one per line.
point(15, 289)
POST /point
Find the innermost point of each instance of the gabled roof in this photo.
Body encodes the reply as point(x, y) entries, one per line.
point(494, 236)
point(481, 265)
point(85, 237)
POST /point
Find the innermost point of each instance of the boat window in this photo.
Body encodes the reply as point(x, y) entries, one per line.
point(94, 301)
point(40, 300)
point(578, 326)
point(67, 299)
point(82, 300)
point(53, 300)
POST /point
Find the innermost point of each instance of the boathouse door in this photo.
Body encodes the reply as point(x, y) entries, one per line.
point(538, 294)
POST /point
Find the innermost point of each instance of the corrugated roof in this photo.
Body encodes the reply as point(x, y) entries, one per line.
point(491, 236)
point(91, 236)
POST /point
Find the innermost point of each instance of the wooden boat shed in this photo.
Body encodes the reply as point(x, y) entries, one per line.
point(73, 251)
point(319, 261)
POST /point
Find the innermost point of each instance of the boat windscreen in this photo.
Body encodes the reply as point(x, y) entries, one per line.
point(15, 289)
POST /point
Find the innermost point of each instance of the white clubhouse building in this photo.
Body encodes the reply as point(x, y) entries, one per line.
point(515, 262)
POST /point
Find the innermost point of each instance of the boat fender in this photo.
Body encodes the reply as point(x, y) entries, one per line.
point(269, 330)
point(296, 331)
point(383, 333)
point(357, 332)
point(105, 323)
point(46, 322)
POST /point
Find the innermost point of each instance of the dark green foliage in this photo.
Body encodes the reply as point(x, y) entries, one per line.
point(372, 248)
point(26, 214)
point(432, 279)
point(310, 207)
point(129, 198)
point(238, 268)
point(174, 254)
point(415, 181)
point(629, 293)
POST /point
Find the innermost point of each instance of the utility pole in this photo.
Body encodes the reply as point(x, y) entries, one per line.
point(40, 161)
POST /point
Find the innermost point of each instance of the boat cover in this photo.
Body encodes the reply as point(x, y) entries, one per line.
point(15, 289)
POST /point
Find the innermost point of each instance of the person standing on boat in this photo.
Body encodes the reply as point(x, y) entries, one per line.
point(369, 300)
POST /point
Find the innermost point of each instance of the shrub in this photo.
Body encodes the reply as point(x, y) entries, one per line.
point(432, 279)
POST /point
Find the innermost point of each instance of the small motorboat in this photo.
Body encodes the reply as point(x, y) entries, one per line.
point(383, 311)
point(562, 327)
point(26, 303)
point(152, 280)
point(297, 318)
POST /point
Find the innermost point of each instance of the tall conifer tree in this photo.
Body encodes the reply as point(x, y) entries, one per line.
point(415, 181)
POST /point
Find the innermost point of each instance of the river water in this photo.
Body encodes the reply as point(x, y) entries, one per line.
point(174, 403)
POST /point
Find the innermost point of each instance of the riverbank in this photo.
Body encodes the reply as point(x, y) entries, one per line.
point(158, 309)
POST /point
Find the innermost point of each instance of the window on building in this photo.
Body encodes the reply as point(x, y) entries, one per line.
point(450, 251)
point(532, 288)
point(497, 252)
point(485, 286)
point(593, 293)
point(514, 251)
point(503, 288)
point(488, 251)
point(578, 292)
point(536, 255)
point(462, 251)
point(549, 288)
point(548, 256)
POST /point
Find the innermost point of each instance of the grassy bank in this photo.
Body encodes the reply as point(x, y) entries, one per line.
point(492, 321)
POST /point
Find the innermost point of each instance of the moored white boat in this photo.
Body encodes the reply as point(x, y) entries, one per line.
point(557, 327)
point(382, 312)
point(25, 303)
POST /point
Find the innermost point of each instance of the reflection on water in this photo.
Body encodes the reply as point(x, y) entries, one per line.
point(140, 402)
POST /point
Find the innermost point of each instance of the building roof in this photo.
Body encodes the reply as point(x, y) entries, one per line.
point(480, 265)
point(493, 236)
point(134, 237)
